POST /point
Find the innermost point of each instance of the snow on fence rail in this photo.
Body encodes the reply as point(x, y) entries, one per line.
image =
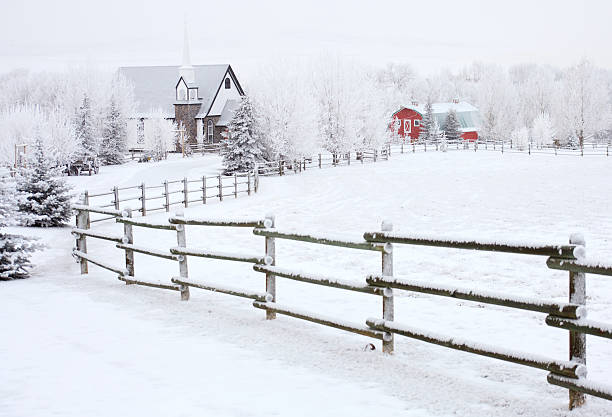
point(571, 316)
point(201, 190)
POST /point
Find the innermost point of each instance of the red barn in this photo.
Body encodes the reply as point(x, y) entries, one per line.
point(407, 120)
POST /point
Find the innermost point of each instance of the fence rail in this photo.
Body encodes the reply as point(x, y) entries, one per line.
point(123, 197)
point(570, 316)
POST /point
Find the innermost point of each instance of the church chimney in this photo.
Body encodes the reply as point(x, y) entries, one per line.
point(187, 71)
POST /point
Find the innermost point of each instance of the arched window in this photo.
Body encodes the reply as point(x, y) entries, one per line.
point(228, 84)
point(210, 131)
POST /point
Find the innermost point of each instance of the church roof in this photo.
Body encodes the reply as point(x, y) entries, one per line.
point(154, 87)
point(228, 112)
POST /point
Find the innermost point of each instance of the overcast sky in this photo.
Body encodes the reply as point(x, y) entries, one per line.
point(430, 35)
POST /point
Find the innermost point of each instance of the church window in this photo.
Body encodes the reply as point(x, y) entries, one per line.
point(228, 84)
point(210, 131)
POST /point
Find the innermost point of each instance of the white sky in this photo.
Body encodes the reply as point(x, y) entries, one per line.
point(430, 35)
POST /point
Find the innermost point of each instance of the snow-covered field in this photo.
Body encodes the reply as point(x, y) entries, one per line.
point(91, 346)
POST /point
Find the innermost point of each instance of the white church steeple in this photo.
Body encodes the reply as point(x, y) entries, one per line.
point(186, 70)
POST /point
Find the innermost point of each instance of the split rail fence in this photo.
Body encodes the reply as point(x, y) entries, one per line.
point(145, 199)
point(570, 316)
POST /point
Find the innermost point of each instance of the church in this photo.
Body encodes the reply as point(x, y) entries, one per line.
point(200, 98)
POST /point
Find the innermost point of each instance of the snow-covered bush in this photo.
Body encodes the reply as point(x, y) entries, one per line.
point(44, 196)
point(542, 131)
point(520, 138)
point(244, 147)
point(15, 250)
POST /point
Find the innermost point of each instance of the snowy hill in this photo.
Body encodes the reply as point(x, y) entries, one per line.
point(89, 345)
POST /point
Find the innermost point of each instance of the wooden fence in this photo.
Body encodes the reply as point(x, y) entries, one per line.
point(140, 198)
point(571, 316)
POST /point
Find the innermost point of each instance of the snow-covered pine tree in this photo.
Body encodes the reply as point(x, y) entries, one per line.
point(452, 127)
point(426, 123)
point(85, 129)
point(244, 146)
point(114, 135)
point(15, 250)
point(44, 196)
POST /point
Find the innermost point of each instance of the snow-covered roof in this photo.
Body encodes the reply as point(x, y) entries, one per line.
point(467, 115)
point(154, 87)
point(228, 112)
point(462, 106)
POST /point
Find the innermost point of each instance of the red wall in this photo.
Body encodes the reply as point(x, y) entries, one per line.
point(471, 136)
point(406, 117)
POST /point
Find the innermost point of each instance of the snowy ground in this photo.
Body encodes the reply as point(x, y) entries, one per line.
point(93, 346)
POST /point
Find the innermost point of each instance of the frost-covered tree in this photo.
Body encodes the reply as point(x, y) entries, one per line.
point(436, 134)
point(284, 105)
point(114, 135)
point(85, 129)
point(520, 138)
point(15, 250)
point(337, 91)
point(585, 106)
point(44, 196)
point(542, 131)
point(244, 147)
point(427, 123)
point(452, 127)
point(160, 135)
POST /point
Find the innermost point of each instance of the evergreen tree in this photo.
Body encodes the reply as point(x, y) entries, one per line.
point(426, 123)
point(452, 127)
point(244, 146)
point(114, 136)
point(85, 129)
point(15, 250)
point(44, 196)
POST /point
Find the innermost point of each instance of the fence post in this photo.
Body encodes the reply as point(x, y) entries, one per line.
point(204, 189)
point(181, 240)
point(402, 146)
point(116, 195)
point(220, 188)
point(425, 146)
point(389, 151)
point(82, 220)
point(529, 149)
point(577, 340)
point(375, 154)
point(185, 192)
point(235, 186)
point(256, 179)
point(143, 196)
point(319, 160)
point(349, 158)
point(270, 251)
point(582, 150)
point(502, 146)
point(167, 205)
point(128, 239)
point(413, 147)
point(387, 270)
point(280, 168)
point(249, 183)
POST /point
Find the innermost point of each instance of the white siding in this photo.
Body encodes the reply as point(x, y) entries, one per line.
point(224, 95)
